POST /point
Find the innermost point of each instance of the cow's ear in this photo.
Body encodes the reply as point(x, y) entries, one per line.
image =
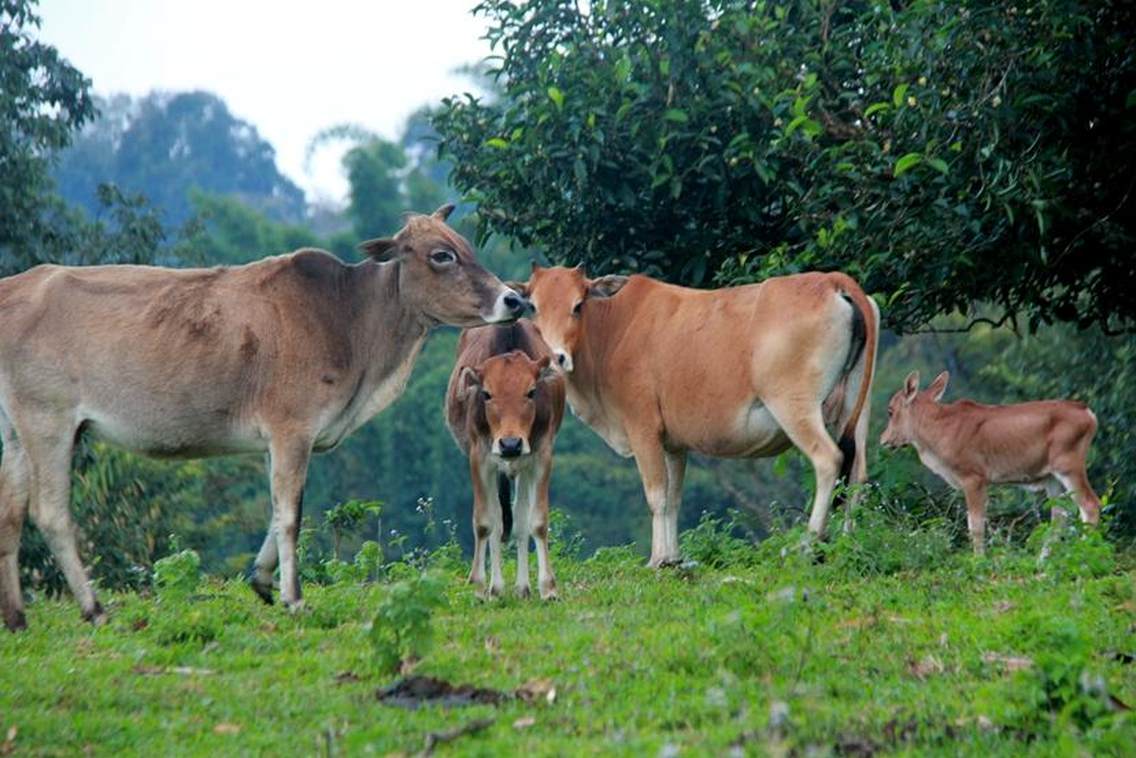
point(382, 250)
point(469, 381)
point(606, 286)
point(444, 212)
point(939, 386)
point(911, 386)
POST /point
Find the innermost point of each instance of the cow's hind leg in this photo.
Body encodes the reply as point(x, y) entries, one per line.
point(803, 423)
point(50, 502)
point(265, 566)
point(1076, 481)
point(289, 455)
point(676, 473)
point(14, 481)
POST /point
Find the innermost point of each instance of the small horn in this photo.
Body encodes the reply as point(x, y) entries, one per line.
point(444, 212)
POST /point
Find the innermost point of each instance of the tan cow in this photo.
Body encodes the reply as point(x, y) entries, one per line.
point(504, 406)
point(286, 355)
point(1039, 445)
point(659, 370)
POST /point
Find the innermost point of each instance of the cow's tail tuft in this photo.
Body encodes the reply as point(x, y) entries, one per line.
point(505, 498)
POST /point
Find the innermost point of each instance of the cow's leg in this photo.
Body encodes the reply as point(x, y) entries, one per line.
point(651, 460)
point(288, 455)
point(1076, 481)
point(1053, 490)
point(538, 521)
point(803, 423)
point(265, 566)
point(14, 482)
point(975, 492)
point(496, 531)
point(676, 472)
point(49, 506)
point(523, 485)
point(860, 465)
point(482, 524)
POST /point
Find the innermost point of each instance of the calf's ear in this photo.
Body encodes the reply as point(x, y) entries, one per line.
point(469, 381)
point(911, 386)
point(382, 250)
point(606, 286)
point(939, 386)
point(444, 212)
point(545, 371)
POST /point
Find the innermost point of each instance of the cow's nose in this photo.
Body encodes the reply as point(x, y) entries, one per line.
point(564, 360)
point(515, 303)
point(510, 446)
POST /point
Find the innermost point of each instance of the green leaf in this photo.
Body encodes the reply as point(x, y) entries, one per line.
point(1130, 101)
point(676, 115)
point(795, 124)
point(939, 165)
point(875, 108)
point(898, 94)
point(909, 161)
point(497, 142)
point(556, 96)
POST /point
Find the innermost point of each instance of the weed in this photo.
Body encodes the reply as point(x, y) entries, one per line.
point(178, 574)
point(402, 628)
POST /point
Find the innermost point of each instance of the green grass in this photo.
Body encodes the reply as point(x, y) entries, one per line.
point(852, 654)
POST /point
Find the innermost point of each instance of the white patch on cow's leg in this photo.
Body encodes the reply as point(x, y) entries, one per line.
point(975, 492)
point(676, 471)
point(1077, 482)
point(522, 527)
point(265, 566)
point(289, 457)
point(496, 578)
point(650, 459)
point(49, 506)
point(803, 424)
point(14, 481)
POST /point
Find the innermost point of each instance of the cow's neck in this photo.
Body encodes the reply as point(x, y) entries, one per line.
point(386, 336)
point(599, 334)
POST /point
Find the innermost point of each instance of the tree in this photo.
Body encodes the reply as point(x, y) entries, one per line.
point(943, 153)
point(42, 100)
point(167, 146)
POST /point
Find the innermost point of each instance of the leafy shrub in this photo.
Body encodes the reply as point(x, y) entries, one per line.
point(881, 543)
point(714, 542)
point(1071, 550)
point(177, 574)
point(402, 628)
point(349, 517)
point(185, 622)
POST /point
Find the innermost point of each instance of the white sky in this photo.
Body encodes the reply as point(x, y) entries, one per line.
point(290, 68)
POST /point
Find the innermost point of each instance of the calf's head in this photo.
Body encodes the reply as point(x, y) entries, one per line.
point(904, 406)
point(439, 276)
point(508, 388)
point(560, 298)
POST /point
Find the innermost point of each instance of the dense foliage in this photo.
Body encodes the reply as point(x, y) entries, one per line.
point(943, 153)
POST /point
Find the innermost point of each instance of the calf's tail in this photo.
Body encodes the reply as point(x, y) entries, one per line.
point(505, 498)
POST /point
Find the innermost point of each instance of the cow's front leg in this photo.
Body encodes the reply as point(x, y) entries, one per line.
point(522, 524)
point(481, 523)
point(539, 524)
point(676, 472)
point(975, 492)
point(289, 455)
point(650, 458)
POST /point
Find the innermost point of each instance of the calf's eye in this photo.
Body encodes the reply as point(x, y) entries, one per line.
point(531, 393)
point(443, 257)
point(577, 308)
point(486, 396)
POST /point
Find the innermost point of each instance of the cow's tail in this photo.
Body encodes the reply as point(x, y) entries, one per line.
point(865, 337)
point(505, 498)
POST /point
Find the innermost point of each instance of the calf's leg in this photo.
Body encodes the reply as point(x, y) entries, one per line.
point(1077, 482)
point(538, 520)
point(522, 524)
point(481, 523)
point(14, 481)
point(289, 455)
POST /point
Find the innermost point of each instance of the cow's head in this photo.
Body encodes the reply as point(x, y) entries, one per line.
point(508, 387)
point(440, 276)
point(560, 298)
point(901, 418)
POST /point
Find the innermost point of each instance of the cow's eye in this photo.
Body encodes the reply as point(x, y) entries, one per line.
point(577, 308)
point(443, 257)
point(531, 393)
point(486, 396)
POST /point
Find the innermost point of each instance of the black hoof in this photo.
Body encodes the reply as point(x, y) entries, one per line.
point(95, 615)
point(264, 592)
point(16, 622)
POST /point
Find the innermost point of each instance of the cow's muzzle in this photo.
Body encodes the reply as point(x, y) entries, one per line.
point(509, 306)
point(510, 447)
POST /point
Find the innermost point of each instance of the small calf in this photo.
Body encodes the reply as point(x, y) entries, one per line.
point(504, 406)
point(1038, 445)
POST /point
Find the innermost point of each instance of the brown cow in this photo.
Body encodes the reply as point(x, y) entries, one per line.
point(504, 406)
point(1039, 445)
point(286, 355)
point(659, 370)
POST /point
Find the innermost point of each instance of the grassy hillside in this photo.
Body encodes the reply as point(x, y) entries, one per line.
point(897, 641)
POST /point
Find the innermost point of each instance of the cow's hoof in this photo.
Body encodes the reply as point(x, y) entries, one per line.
point(96, 616)
point(16, 621)
point(523, 591)
point(295, 607)
point(548, 592)
point(263, 591)
point(664, 563)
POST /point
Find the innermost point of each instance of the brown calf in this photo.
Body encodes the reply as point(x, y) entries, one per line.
point(287, 356)
point(742, 372)
point(504, 406)
point(1039, 445)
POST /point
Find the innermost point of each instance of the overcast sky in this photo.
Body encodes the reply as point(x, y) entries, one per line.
point(290, 68)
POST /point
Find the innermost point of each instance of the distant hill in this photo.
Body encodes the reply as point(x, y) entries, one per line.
point(166, 144)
